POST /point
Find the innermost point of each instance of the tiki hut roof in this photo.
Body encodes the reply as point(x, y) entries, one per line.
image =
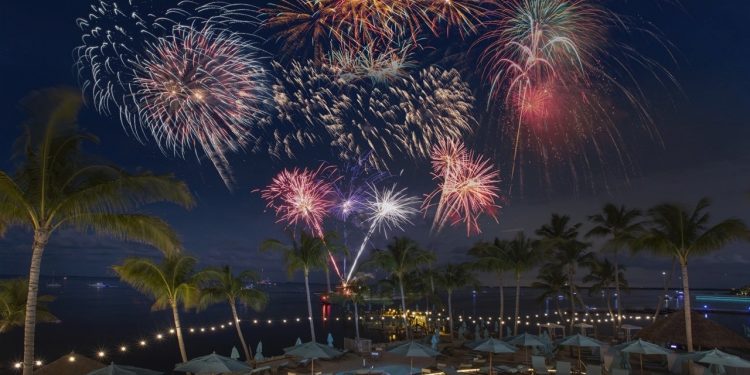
point(80, 365)
point(707, 334)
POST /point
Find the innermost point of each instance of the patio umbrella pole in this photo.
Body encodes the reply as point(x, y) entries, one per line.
point(490, 370)
point(641, 358)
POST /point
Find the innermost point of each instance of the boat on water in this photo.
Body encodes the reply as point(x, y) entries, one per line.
point(99, 285)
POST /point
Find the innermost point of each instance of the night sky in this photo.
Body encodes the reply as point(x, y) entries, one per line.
point(704, 125)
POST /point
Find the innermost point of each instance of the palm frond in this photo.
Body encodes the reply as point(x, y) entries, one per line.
point(141, 228)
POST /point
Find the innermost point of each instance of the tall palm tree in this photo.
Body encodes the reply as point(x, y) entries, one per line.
point(604, 275)
point(218, 285)
point(57, 187)
point(13, 294)
point(306, 254)
point(551, 281)
point(452, 277)
point(677, 231)
point(171, 283)
point(561, 238)
point(490, 257)
point(400, 257)
point(621, 227)
point(521, 255)
point(355, 292)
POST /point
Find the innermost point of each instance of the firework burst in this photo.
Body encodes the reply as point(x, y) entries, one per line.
point(463, 15)
point(363, 119)
point(302, 196)
point(386, 209)
point(177, 75)
point(468, 187)
point(303, 24)
point(560, 72)
point(200, 88)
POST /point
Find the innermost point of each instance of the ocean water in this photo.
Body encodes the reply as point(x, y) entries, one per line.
point(104, 319)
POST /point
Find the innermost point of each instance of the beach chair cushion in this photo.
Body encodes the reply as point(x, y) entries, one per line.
point(562, 368)
point(538, 364)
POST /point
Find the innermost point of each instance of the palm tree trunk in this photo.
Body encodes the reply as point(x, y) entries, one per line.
point(686, 305)
point(309, 305)
point(356, 322)
point(450, 311)
point(617, 292)
point(403, 308)
point(29, 328)
point(178, 331)
point(502, 306)
point(518, 301)
point(248, 355)
point(572, 299)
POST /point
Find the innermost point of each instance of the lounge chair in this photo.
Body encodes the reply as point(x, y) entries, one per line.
point(620, 371)
point(562, 368)
point(538, 364)
point(593, 370)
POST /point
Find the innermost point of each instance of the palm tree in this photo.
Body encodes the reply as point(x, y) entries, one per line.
point(57, 187)
point(399, 258)
point(222, 285)
point(490, 257)
point(621, 227)
point(171, 283)
point(452, 277)
point(355, 291)
point(521, 255)
point(605, 275)
point(561, 237)
point(13, 294)
point(551, 282)
point(307, 254)
point(680, 232)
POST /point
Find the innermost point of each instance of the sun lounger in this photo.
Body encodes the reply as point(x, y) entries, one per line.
point(562, 368)
point(619, 371)
point(538, 364)
point(593, 370)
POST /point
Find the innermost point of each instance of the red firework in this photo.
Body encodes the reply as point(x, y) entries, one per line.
point(468, 187)
point(302, 196)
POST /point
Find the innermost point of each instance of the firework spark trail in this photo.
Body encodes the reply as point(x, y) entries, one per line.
point(468, 187)
point(322, 104)
point(387, 209)
point(302, 196)
point(177, 75)
point(560, 72)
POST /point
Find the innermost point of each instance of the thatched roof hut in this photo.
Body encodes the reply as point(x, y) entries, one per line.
point(70, 364)
point(707, 334)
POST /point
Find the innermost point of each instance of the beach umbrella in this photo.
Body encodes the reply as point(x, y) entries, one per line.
point(492, 346)
point(641, 347)
point(114, 369)
point(580, 341)
point(259, 351)
point(330, 340)
point(717, 358)
point(298, 342)
point(312, 351)
point(412, 349)
point(526, 340)
point(235, 354)
point(212, 364)
point(629, 327)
